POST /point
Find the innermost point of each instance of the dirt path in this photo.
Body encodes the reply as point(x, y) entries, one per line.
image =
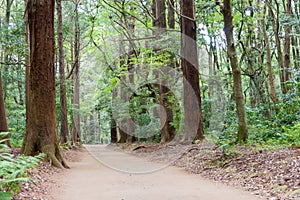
point(101, 174)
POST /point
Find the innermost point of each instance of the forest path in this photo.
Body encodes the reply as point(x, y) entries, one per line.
point(93, 178)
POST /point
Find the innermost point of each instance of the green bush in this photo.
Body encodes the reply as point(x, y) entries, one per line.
point(281, 129)
point(291, 136)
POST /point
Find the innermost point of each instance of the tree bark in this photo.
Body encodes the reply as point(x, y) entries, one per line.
point(76, 78)
point(121, 124)
point(113, 124)
point(192, 106)
point(296, 51)
point(287, 46)
point(41, 133)
point(167, 132)
point(276, 28)
point(4, 56)
point(130, 21)
point(3, 119)
point(271, 77)
point(171, 14)
point(64, 132)
point(236, 72)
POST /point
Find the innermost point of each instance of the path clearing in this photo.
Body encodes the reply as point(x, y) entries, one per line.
point(90, 179)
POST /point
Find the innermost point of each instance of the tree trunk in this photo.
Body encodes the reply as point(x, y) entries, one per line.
point(153, 10)
point(276, 28)
point(41, 133)
point(171, 14)
point(295, 37)
point(167, 132)
point(130, 138)
point(271, 78)
point(64, 132)
point(296, 52)
point(121, 124)
point(3, 118)
point(76, 99)
point(3, 121)
point(236, 72)
point(113, 124)
point(193, 127)
point(131, 127)
point(287, 46)
point(5, 56)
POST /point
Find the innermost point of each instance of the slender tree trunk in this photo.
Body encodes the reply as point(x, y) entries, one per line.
point(171, 14)
point(295, 37)
point(41, 133)
point(113, 124)
point(276, 29)
point(20, 83)
point(287, 45)
point(271, 77)
point(211, 72)
point(130, 66)
point(153, 10)
point(167, 132)
point(296, 52)
point(3, 121)
point(76, 77)
point(4, 57)
point(121, 124)
point(193, 127)
point(130, 137)
point(64, 132)
point(236, 72)
point(155, 72)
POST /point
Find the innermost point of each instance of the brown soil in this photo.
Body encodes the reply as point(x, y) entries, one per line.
point(103, 174)
point(43, 178)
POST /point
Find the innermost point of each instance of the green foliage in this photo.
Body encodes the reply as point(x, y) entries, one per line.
point(292, 135)
point(14, 170)
point(16, 118)
point(282, 129)
point(6, 195)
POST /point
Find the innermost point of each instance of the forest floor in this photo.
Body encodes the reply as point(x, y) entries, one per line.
point(43, 178)
point(117, 172)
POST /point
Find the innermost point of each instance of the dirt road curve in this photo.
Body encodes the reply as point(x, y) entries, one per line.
point(102, 174)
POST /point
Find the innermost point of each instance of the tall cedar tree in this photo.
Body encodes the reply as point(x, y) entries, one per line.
point(192, 106)
point(64, 132)
point(76, 78)
point(41, 133)
point(167, 131)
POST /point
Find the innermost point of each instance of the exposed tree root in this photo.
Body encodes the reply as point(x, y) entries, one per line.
point(54, 156)
point(52, 152)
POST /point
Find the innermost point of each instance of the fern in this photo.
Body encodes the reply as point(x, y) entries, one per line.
point(13, 171)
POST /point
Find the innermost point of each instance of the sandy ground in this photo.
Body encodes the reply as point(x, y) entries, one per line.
point(110, 175)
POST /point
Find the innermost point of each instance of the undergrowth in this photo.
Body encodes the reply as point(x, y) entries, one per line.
point(13, 170)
